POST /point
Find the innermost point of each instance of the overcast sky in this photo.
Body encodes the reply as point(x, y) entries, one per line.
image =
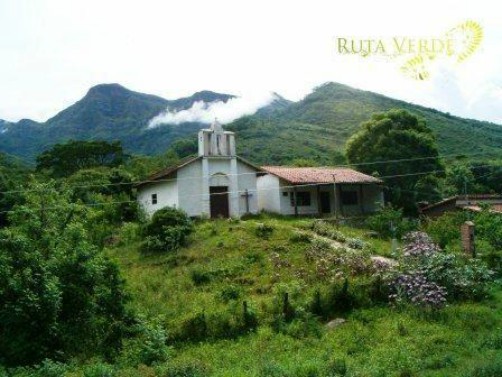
point(53, 51)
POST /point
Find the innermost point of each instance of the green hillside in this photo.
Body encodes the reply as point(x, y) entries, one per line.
point(316, 127)
point(323, 121)
point(231, 262)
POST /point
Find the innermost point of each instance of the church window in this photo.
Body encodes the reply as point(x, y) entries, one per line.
point(154, 198)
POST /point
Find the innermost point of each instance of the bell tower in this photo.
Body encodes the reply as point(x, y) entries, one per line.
point(215, 141)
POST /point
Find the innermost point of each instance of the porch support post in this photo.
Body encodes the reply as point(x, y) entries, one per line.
point(318, 192)
point(296, 201)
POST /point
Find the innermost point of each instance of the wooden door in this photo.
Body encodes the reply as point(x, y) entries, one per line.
point(218, 198)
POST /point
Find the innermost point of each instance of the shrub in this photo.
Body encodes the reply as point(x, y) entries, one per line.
point(356, 243)
point(99, 370)
point(229, 292)
point(300, 237)
point(428, 275)
point(129, 233)
point(416, 289)
point(336, 367)
point(168, 230)
point(445, 230)
point(195, 328)
point(200, 277)
point(418, 245)
point(487, 368)
point(389, 222)
point(187, 369)
point(148, 345)
point(264, 231)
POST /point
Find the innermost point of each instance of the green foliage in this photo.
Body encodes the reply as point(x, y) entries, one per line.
point(58, 295)
point(389, 223)
point(168, 230)
point(487, 368)
point(462, 278)
point(12, 176)
point(62, 160)
point(148, 346)
point(191, 369)
point(264, 231)
point(445, 229)
point(396, 135)
point(323, 120)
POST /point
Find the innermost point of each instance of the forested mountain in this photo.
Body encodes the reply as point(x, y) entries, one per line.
point(316, 127)
point(319, 125)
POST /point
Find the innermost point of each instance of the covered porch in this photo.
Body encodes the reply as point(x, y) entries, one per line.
point(319, 191)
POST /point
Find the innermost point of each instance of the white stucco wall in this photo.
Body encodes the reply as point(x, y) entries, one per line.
point(190, 192)
point(268, 193)
point(167, 195)
point(247, 179)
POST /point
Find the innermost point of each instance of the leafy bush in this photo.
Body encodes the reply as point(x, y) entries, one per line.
point(389, 223)
point(99, 370)
point(129, 233)
point(418, 245)
point(187, 369)
point(445, 230)
point(427, 275)
point(337, 367)
point(264, 231)
point(416, 289)
point(487, 368)
point(58, 294)
point(229, 293)
point(168, 230)
point(148, 346)
point(356, 243)
point(300, 237)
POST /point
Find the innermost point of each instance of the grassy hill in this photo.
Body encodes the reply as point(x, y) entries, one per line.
point(319, 125)
point(198, 295)
point(316, 127)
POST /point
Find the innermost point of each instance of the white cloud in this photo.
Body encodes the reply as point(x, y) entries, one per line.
point(53, 51)
point(203, 112)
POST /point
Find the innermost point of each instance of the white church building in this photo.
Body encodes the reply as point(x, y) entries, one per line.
point(218, 183)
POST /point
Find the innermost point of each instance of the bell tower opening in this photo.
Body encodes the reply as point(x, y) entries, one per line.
point(215, 141)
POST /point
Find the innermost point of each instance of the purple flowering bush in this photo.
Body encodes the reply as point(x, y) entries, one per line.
point(427, 275)
point(415, 287)
point(418, 245)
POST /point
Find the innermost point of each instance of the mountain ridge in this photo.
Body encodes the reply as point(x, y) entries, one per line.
point(323, 121)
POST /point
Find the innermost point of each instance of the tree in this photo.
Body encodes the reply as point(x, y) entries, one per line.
point(391, 136)
point(12, 176)
point(63, 160)
point(168, 230)
point(59, 295)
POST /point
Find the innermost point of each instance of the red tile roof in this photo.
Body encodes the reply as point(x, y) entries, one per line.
point(320, 175)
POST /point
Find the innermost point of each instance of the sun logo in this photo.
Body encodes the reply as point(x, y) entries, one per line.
point(416, 68)
point(467, 37)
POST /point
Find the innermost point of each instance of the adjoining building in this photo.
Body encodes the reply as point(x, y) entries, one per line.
point(318, 191)
point(472, 203)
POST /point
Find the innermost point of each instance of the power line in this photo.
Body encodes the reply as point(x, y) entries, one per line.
point(253, 173)
point(242, 191)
